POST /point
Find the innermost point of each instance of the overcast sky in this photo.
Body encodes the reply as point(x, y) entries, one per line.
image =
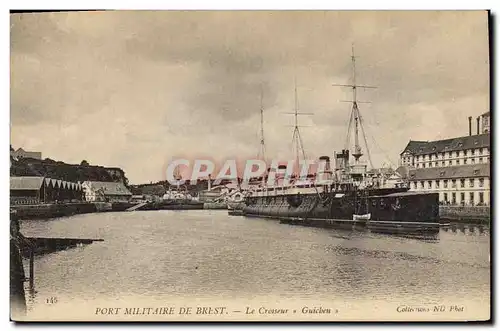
point(134, 89)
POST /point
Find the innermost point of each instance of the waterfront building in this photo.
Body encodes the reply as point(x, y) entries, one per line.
point(457, 168)
point(22, 154)
point(34, 190)
point(106, 191)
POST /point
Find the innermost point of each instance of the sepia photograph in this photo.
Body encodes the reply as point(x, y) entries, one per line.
point(250, 166)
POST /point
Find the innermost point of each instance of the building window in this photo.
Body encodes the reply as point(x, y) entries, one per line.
point(449, 162)
point(423, 165)
point(480, 160)
point(481, 198)
point(462, 182)
point(446, 197)
point(415, 185)
point(422, 184)
point(435, 164)
point(445, 182)
point(437, 183)
point(462, 198)
point(473, 160)
point(472, 151)
point(453, 198)
point(471, 182)
point(465, 161)
point(453, 183)
point(481, 182)
point(429, 183)
point(442, 163)
point(471, 198)
point(480, 151)
point(456, 154)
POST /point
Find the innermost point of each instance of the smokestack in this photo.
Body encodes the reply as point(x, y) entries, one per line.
point(477, 120)
point(470, 125)
point(326, 160)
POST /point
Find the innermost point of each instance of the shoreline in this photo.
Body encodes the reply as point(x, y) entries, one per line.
point(448, 214)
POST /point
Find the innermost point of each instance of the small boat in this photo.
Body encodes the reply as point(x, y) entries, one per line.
point(365, 217)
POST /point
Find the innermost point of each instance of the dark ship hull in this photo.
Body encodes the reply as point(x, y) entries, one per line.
point(392, 210)
point(173, 205)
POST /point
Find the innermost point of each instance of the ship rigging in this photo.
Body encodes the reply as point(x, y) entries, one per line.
point(355, 115)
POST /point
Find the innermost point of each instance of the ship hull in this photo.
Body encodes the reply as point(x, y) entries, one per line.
point(391, 210)
point(173, 205)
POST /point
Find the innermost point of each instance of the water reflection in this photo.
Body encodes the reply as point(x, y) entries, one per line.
point(209, 254)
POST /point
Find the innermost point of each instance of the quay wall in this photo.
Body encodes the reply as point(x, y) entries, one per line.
point(45, 211)
point(465, 213)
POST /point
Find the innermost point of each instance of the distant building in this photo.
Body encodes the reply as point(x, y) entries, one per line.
point(457, 168)
point(34, 190)
point(21, 154)
point(106, 191)
point(445, 153)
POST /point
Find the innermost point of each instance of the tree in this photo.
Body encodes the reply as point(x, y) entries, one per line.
point(84, 163)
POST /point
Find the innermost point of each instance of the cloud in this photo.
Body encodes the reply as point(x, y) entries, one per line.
point(131, 89)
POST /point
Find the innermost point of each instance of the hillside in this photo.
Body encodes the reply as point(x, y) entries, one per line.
point(69, 172)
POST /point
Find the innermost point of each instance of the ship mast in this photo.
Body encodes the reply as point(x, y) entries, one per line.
point(356, 115)
point(262, 150)
point(297, 142)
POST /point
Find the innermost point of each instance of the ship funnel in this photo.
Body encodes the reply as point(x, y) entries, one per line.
point(470, 125)
point(342, 159)
point(477, 120)
point(326, 160)
point(324, 170)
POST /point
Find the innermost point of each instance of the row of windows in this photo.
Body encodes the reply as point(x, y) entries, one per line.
point(471, 201)
point(453, 183)
point(441, 156)
point(450, 163)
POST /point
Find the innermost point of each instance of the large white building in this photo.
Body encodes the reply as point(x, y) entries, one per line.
point(458, 168)
point(105, 191)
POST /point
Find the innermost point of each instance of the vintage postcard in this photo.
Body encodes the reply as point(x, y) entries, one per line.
point(250, 166)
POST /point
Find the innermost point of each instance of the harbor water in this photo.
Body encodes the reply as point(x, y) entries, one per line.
point(164, 256)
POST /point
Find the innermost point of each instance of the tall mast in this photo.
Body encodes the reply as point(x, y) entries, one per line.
point(262, 150)
point(297, 138)
point(355, 114)
point(357, 148)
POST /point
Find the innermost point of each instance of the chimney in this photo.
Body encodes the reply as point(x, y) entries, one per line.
point(209, 182)
point(477, 120)
point(326, 160)
point(470, 125)
point(325, 173)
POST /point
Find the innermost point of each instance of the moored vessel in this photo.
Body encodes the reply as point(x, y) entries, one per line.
point(352, 197)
